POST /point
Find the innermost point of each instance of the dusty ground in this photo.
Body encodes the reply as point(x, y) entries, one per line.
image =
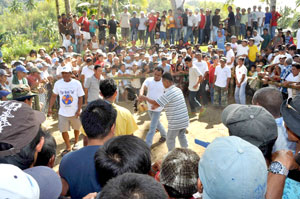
point(207, 128)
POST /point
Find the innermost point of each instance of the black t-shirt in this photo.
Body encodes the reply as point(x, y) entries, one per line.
point(113, 26)
point(216, 20)
point(158, 25)
point(231, 21)
point(184, 19)
point(207, 24)
point(101, 22)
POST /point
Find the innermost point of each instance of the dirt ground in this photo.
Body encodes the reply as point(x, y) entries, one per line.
point(207, 128)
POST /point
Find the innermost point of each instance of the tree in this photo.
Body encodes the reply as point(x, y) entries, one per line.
point(30, 5)
point(68, 7)
point(16, 7)
point(99, 9)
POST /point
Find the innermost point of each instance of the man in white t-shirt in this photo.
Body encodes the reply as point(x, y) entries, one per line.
point(155, 89)
point(203, 68)
point(292, 78)
point(241, 82)
point(242, 49)
point(229, 55)
point(257, 38)
point(142, 28)
point(221, 83)
point(195, 78)
point(70, 94)
point(87, 71)
point(261, 21)
point(124, 24)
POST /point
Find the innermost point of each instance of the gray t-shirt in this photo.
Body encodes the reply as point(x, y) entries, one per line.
point(92, 84)
point(134, 23)
point(238, 19)
point(142, 25)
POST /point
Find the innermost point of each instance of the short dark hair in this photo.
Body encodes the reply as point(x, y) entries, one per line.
point(168, 76)
point(159, 69)
point(48, 150)
point(25, 157)
point(120, 155)
point(96, 67)
point(188, 59)
point(269, 98)
point(98, 118)
point(133, 186)
point(108, 87)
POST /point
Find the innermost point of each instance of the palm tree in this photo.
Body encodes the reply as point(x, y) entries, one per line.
point(16, 7)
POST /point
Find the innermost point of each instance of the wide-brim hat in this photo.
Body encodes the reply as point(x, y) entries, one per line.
point(290, 111)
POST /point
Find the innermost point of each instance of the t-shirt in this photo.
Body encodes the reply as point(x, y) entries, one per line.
point(155, 89)
point(92, 84)
point(152, 21)
point(241, 50)
point(267, 39)
point(171, 20)
point(257, 39)
point(113, 26)
point(202, 66)
point(163, 26)
point(211, 74)
point(260, 16)
point(178, 20)
point(194, 74)
point(222, 75)
point(240, 71)
point(125, 123)
point(238, 18)
point(268, 17)
point(244, 19)
point(291, 78)
point(275, 17)
point(184, 19)
point(78, 169)
point(124, 20)
point(134, 22)
point(231, 21)
point(142, 22)
point(87, 72)
point(68, 92)
point(100, 23)
point(298, 38)
point(85, 22)
point(192, 21)
point(202, 21)
point(229, 55)
point(166, 68)
point(216, 20)
point(93, 24)
point(174, 103)
point(254, 16)
point(221, 42)
point(253, 50)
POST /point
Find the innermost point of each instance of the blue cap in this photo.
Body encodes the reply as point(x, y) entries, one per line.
point(4, 93)
point(233, 168)
point(21, 68)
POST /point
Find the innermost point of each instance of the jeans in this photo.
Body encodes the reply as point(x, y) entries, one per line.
point(155, 124)
point(201, 36)
point(172, 134)
point(194, 100)
point(212, 90)
point(172, 35)
point(215, 33)
point(151, 34)
point(189, 34)
point(243, 30)
point(260, 30)
point(268, 27)
point(240, 94)
point(206, 35)
point(178, 33)
point(163, 36)
point(202, 92)
point(184, 29)
point(273, 29)
point(134, 34)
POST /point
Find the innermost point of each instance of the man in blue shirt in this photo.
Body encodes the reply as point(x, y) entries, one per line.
point(268, 17)
point(287, 69)
point(77, 169)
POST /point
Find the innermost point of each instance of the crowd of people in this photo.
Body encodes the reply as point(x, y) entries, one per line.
point(247, 58)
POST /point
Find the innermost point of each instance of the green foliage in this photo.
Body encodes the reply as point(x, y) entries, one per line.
point(212, 5)
point(16, 7)
point(288, 18)
point(30, 5)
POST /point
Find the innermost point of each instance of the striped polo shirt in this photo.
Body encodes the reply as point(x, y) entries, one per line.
point(173, 102)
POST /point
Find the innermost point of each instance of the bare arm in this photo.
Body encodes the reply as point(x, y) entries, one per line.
point(65, 187)
point(80, 100)
point(51, 103)
point(86, 92)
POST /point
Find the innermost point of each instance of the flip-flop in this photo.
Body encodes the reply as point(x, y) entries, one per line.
point(65, 152)
point(75, 147)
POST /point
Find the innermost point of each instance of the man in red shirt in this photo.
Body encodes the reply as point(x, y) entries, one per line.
point(201, 26)
point(275, 17)
point(211, 73)
point(84, 23)
point(152, 24)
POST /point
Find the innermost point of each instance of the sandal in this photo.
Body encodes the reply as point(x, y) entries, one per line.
point(65, 152)
point(75, 147)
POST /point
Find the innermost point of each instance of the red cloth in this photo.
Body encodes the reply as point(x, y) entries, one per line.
point(202, 22)
point(152, 23)
point(275, 17)
point(211, 74)
point(85, 22)
point(99, 63)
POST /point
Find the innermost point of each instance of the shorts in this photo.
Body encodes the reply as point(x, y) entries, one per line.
point(141, 34)
point(64, 123)
point(125, 32)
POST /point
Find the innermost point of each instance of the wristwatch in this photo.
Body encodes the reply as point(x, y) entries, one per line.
point(277, 167)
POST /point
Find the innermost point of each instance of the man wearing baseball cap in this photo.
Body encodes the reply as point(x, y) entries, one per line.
point(23, 94)
point(3, 80)
point(19, 78)
point(70, 94)
point(20, 134)
point(4, 94)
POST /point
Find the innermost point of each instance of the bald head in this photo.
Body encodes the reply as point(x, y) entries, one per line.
point(269, 98)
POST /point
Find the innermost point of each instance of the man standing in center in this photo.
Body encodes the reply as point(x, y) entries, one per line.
point(177, 114)
point(125, 25)
point(155, 89)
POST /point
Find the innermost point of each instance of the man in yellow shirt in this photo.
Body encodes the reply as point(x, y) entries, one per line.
point(125, 123)
point(171, 26)
point(253, 53)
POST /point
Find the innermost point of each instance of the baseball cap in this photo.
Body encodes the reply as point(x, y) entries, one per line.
point(223, 59)
point(66, 69)
point(233, 37)
point(228, 44)
point(21, 68)
point(179, 170)
point(290, 110)
point(3, 72)
point(244, 40)
point(4, 93)
point(251, 123)
point(49, 182)
point(233, 168)
point(89, 59)
point(251, 39)
point(20, 127)
point(22, 92)
point(16, 184)
point(35, 70)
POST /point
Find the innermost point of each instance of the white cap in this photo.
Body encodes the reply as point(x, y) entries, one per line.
point(16, 184)
point(66, 69)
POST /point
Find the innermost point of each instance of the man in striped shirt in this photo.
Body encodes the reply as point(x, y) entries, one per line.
point(176, 110)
